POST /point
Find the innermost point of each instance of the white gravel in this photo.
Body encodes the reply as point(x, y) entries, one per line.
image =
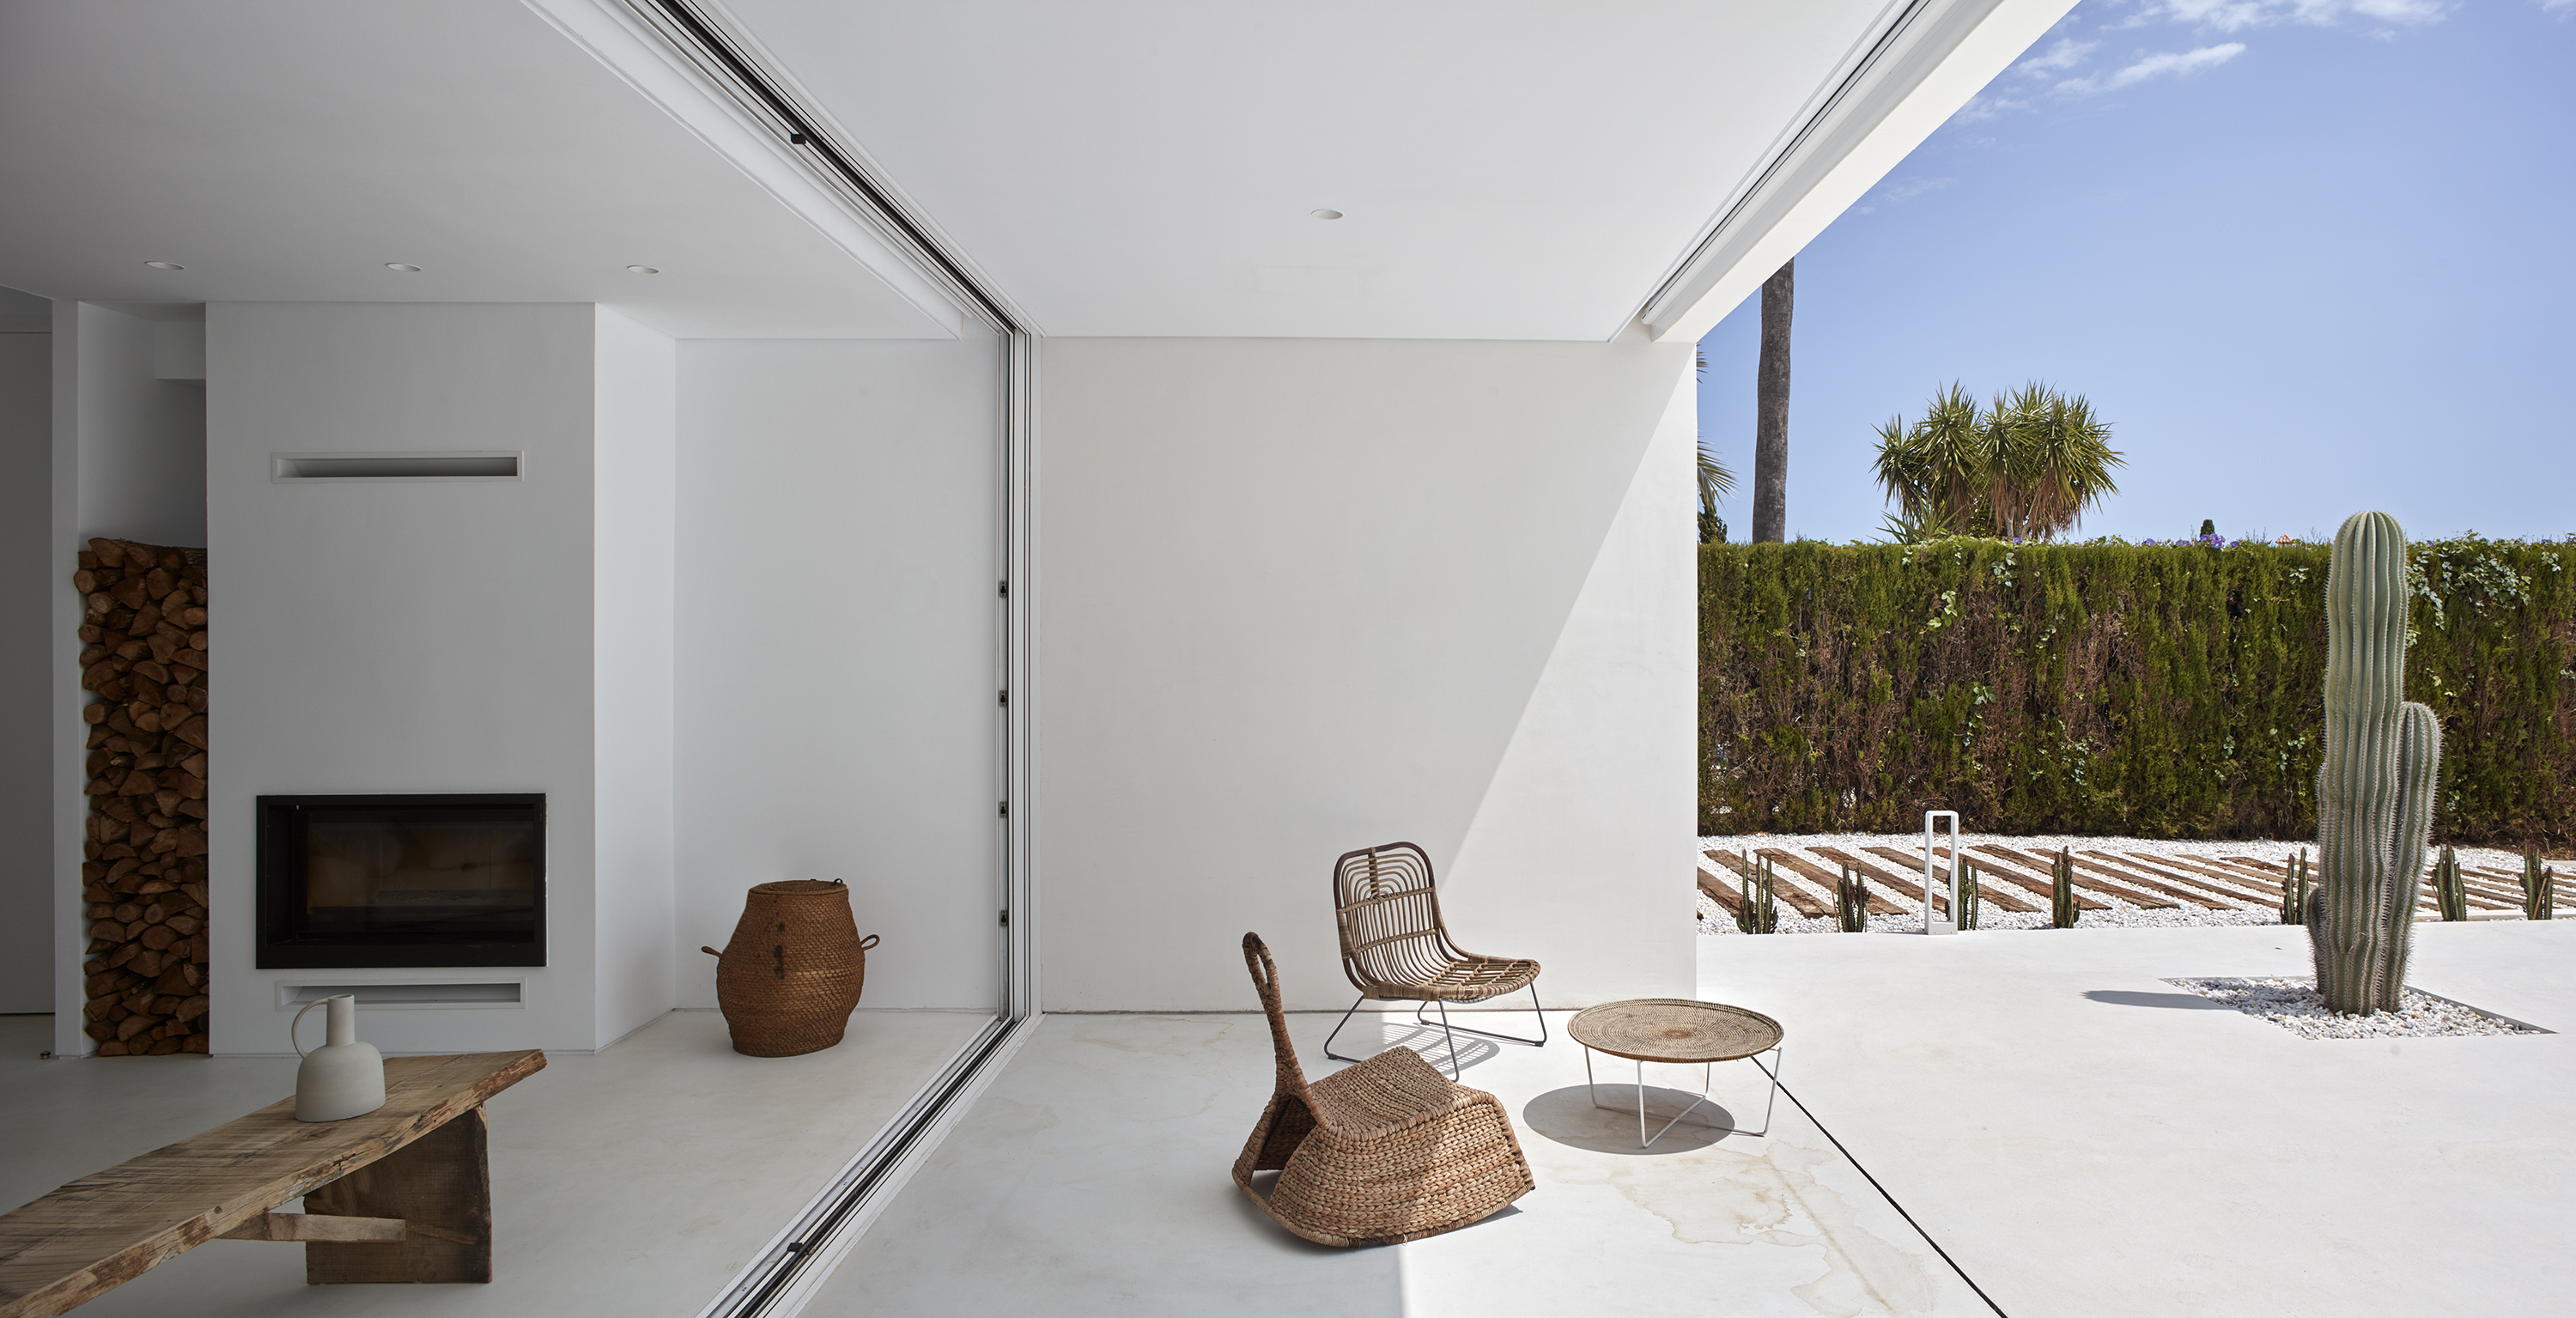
point(2296, 1006)
point(1714, 920)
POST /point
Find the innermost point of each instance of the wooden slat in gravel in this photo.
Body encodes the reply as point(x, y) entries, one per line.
point(2489, 901)
point(2036, 887)
point(2134, 894)
point(1718, 889)
point(1786, 889)
point(2180, 865)
point(2241, 888)
point(1912, 891)
point(1830, 880)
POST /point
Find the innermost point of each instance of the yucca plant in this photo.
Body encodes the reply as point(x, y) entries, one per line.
point(1851, 903)
point(2029, 468)
point(2539, 888)
point(2294, 890)
point(1966, 910)
point(2449, 893)
point(2062, 910)
point(1756, 913)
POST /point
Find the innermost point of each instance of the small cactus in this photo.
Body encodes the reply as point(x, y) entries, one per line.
point(1851, 903)
point(2062, 910)
point(2539, 888)
point(1756, 914)
point(2294, 891)
point(1967, 909)
point(2449, 892)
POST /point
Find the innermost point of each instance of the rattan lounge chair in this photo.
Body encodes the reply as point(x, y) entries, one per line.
point(1377, 1153)
point(1394, 947)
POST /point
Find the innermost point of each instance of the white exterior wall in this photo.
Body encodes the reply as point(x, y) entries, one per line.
point(403, 638)
point(634, 506)
point(1303, 596)
point(839, 649)
point(28, 595)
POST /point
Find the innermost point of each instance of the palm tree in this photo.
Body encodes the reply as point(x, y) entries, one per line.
point(1715, 483)
point(1771, 410)
point(2028, 469)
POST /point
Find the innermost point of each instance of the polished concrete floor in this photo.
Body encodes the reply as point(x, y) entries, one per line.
point(637, 1181)
point(2081, 1137)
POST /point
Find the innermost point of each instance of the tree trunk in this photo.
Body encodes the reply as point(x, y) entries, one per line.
point(1771, 413)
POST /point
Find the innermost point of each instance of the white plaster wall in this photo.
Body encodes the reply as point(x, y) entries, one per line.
point(1589, 828)
point(415, 638)
point(1299, 597)
point(635, 380)
point(27, 591)
point(839, 649)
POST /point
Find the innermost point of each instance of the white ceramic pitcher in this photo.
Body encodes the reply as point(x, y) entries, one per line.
point(343, 1078)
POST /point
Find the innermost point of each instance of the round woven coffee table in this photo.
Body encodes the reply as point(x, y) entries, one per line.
point(1678, 1031)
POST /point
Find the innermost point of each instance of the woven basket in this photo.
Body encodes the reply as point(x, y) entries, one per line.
point(792, 974)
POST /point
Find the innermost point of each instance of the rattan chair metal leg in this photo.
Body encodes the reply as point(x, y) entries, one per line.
point(1539, 1042)
point(1337, 1032)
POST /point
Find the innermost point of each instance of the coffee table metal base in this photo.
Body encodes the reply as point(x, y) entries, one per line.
point(1707, 1070)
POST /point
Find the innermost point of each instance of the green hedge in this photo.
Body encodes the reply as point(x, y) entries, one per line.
point(2154, 691)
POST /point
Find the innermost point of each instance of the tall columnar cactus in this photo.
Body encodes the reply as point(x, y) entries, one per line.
point(1851, 903)
point(2539, 888)
point(2375, 791)
point(2450, 891)
point(1967, 913)
point(2294, 891)
point(1756, 912)
point(2062, 910)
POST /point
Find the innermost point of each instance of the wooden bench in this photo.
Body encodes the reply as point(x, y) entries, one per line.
point(401, 1194)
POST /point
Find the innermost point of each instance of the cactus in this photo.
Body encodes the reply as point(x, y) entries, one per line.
point(1756, 914)
point(2062, 910)
point(1966, 910)
point(2294, 891)
point(2539, 888)
point(2375, 790)
point(2449, 892)
point(1851, 903)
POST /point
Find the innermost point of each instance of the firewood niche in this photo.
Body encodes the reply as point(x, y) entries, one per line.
point(144, 860)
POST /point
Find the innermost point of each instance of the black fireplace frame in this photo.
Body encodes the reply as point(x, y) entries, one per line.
point(279, 871)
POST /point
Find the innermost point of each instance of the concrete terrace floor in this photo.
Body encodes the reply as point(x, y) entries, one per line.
point(2081, 1137)
point(634, 1182)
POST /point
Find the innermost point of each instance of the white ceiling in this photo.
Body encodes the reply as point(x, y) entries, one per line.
point(1508, 168)
point(287, 149)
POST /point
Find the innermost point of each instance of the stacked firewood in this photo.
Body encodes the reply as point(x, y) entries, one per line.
point(144, 876)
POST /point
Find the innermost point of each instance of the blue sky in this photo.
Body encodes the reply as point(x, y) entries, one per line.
point(2308, 256)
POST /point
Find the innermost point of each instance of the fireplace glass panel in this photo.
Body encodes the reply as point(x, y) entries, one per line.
point(402, 881)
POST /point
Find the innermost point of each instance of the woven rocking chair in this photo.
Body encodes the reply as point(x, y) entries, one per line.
point(1378, 1153)
point(1395, 948)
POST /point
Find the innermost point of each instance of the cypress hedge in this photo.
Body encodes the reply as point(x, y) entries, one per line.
point(2111, 688)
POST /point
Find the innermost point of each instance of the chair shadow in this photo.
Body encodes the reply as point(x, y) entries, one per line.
point(1432, 1044)
point(2168, 1001)
point(1568, 1117)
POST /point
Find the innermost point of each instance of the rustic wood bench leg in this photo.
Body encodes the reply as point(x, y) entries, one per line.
point(441, 1184)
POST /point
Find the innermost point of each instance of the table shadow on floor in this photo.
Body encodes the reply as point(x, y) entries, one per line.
point(1569, 1117)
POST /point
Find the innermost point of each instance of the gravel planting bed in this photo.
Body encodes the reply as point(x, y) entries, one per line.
point(2296, 1006)
point(2206, 909)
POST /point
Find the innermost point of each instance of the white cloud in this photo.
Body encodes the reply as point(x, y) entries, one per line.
point(2175, 63)
point(2552, 6)
point(2069, 52)
point(1979, 109)
point(2236, 15)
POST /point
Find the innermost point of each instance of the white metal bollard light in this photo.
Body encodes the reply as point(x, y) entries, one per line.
point(1949, 924)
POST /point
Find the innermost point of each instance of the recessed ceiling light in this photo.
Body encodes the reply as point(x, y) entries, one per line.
point(165, 265)
point(406, 269)
point(642, 270)
point(1326, 215)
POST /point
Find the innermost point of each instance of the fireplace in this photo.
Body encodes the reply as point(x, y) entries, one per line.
point(450, 880)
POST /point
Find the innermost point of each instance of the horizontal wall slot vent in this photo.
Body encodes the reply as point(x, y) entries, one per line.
point(349, 468)
point(507, 994)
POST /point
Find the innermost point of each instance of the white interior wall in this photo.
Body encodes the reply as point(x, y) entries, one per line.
point(634, 506)
point(403, 638)
point(839, 649)
point(27, 590)
point(1299, 597)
